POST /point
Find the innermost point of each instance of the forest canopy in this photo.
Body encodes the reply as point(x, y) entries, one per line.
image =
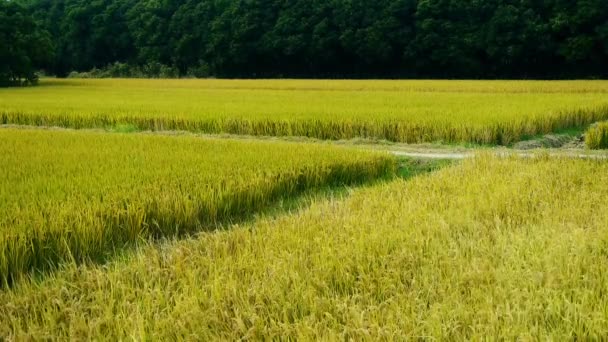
point(331, 38)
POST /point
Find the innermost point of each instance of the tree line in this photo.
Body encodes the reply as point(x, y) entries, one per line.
point(329, 38)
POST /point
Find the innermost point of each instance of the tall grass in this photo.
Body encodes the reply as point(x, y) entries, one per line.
point(596, 137)
point(69, 196)
point(484, 112)
point(490, 249)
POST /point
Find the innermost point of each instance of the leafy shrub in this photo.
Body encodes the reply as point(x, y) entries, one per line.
point(200, 71)
point(124, 70)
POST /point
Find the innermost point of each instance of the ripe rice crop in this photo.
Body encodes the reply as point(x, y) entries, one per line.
point(596, 137)
point(494, 248)
point(484, 112)
point(73, 196)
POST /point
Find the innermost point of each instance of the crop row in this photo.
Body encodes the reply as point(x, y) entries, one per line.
point(70, 196)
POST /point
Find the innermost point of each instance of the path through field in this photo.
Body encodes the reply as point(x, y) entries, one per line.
point(462, 155)
point(418, 151)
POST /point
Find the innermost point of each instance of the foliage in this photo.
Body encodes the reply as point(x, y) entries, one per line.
point(499, 248)
point(482, 112)
point(69, 196)
point(123, 70)
point(23, 46)
point(334, 38)
point(596, 136)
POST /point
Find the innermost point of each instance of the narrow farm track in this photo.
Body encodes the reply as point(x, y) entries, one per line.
point(423, 151)
point(464, 155)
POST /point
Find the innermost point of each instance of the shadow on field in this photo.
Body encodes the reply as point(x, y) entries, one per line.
point(282, 205)
point(412, 167)
point(407, 168)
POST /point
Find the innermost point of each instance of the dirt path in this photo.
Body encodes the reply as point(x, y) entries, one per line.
point(419, 151)
point(502, 153)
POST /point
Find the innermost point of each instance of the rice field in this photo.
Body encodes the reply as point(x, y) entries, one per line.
point(70, 196)
point(113, 234)
point(492, 248)
point(478, 112)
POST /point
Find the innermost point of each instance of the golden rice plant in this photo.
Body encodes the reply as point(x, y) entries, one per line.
point(596, 136)
point(73, 196)
point(482, 112)
point(499, 248)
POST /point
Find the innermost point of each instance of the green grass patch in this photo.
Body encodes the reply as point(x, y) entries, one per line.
point(123, 128)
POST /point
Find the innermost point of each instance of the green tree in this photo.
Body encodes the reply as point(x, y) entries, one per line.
point(23, 46)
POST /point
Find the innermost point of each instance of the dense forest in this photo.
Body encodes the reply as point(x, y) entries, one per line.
point(330, 38)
